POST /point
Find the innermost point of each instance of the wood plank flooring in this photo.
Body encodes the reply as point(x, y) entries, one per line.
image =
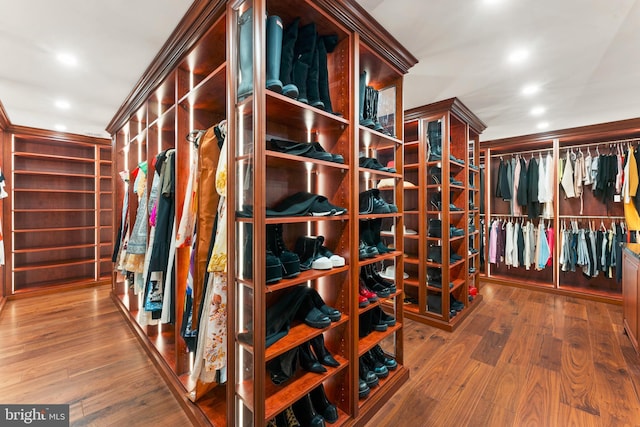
point(75, 348)
point(523, 358)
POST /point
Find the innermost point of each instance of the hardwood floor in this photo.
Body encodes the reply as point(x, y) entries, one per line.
point(74, 347)
point(522, 358)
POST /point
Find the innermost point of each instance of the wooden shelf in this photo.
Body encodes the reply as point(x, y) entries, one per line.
point(58, 264)
point(52, 157)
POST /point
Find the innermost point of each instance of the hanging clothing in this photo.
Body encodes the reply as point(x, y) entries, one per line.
point(631, 215)
point(508, 246)
point(544, 251)
point(493, 242)
point(533, 206)
point(586, 173)
point(503, 189)
point(567, 181)
point(211, 353)
point(523, 184)
point(516, 209)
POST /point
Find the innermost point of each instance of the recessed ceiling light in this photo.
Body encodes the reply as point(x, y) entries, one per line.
point(543, 125)
point(61, 128)
point(538, 111)
point(518, 56)
point(63, 104)
point(67, 59)
point(530, 89)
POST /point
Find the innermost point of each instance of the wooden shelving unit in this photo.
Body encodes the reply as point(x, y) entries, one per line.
point(192, 85)
point(552, 278)
point(454, 131)
point(56, 233)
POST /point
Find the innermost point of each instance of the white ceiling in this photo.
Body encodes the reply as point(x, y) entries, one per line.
point(584, 54)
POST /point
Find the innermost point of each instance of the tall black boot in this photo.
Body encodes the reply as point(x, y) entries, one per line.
point(289, 38)
point(275, 242)
point(364, 121)
point(245, 54)
point(313, 92)
point(274, 53)
point(368, 107)
point(322, 353)
point(376, 228)
point(325, 45)
point(304, 53)
point(434, 132)
point(374, 110)
point(306, 413)
point(321, 403)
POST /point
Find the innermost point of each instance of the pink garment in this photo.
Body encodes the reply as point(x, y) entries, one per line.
point(550, 239)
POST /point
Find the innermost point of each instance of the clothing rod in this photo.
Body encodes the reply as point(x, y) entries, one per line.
point(595, 144)
point(539, 150)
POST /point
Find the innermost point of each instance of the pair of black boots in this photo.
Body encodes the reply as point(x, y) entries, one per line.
point(369, 98)
point(434, 254)
point(372, 366)
point(283, 367)
point(312, 410)
point(374, 320)
point(280, 262)
point(297, 62)
point(376, 283)
point(370, 231)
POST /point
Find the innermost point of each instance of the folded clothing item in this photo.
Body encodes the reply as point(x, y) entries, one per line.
point(312, 150)
point(304, 203)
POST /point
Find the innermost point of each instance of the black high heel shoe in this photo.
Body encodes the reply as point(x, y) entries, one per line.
point(322, 353)
point(308, 361)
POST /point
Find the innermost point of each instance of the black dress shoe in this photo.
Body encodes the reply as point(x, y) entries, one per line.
point(321, 403)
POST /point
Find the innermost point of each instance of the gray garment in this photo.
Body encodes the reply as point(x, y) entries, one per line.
point(138, 240)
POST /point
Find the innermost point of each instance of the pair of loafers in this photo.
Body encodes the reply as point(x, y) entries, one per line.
point(312, 150)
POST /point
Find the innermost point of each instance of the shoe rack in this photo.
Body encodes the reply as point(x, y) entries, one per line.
point(196, 82)
point(441, 154)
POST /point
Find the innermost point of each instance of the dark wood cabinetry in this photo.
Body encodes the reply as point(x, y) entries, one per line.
point(193, 85)
point(442, 201)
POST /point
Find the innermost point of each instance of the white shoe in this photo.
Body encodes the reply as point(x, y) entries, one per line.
point(322, 263)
